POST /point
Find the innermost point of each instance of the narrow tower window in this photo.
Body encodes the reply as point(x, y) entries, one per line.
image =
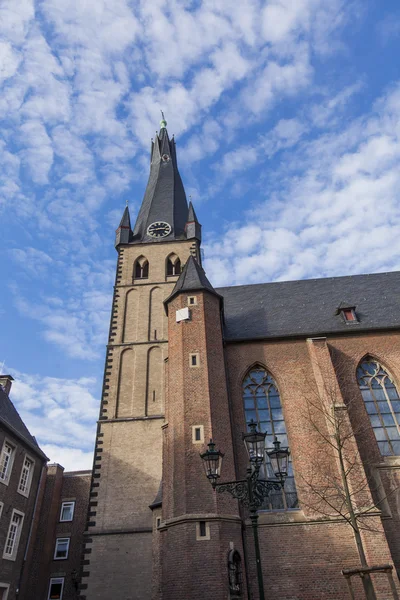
point(173, 265)
point(262, 403)
point(202, 530)
point(141, 268)
point(198, 434)
point(194, 359)
point(382, 403)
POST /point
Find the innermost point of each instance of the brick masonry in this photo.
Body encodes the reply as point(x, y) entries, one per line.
point(159, 555)
point(59, 487)
point(12, 571)
point(127, 468)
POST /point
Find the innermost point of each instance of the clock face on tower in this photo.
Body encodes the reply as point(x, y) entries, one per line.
point(159, 229)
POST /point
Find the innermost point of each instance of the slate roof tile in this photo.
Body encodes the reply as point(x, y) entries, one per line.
point(307, 308)
point(10, 418)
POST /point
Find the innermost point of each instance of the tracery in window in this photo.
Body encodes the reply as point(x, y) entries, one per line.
point(173, 265)
point(262, 403)
point(382, 403)
point(235, 575)
point(141, 268)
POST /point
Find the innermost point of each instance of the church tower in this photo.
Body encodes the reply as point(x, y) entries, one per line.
point(128, 455)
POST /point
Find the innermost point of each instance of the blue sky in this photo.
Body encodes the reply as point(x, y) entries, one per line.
point(286, 116)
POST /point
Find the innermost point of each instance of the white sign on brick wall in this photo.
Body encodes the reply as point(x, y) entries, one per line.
point(182, 315)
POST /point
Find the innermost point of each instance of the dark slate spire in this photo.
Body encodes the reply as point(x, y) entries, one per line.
point(193, 227)
point(124, 233)
point(192, 279)
point(164, 199)
point(192, 217)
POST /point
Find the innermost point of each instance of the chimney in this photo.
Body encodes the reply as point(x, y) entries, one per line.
point(6, 383)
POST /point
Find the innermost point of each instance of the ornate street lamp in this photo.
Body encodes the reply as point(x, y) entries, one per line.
point(212, 463)
point(279, 458)
point(252, 491)
point(254, 442)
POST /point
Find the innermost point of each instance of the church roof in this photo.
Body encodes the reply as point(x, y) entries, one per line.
point(308, 308)
point(126, 219)
point(158, 499)
point(192, 217)
point(192, 278)
point(164, 199)
point(10, 418)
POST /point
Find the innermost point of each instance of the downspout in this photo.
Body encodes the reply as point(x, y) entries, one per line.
point(244, 541)
point(39, 487)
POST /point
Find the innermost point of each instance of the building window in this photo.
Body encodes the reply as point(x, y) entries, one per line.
point(202, 530)
point(235, 575)
point(56, 588)
point(67, 511)
point(26, 476)
point(173, 265)
point(1, 510)
point(198, 434)
point(382, 403)
point(349, 314)
point(13, 535)
point(4, 588)
point(6, 461)
point(158, 522)
point(262, 404)
point(141, 268)
point(194, 359)
point(192, 300)
point(61, 550)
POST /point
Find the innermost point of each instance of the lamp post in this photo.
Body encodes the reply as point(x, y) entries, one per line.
point(252, 491)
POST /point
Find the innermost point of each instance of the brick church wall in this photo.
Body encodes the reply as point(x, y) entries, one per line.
point(303, 556)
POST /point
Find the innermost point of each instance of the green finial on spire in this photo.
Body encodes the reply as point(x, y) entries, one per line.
point(163, 123)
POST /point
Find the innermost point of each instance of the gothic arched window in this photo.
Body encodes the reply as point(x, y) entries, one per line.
point(382, 403)
point(141, 268)
point(173, 265)
point(262, 403)
point(235, 575)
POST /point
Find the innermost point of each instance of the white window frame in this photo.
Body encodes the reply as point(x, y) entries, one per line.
point(5, 587)
point(199, 428)
point(13, 555)
point(62, 508)
point(61, 540)
point(192, 300)
point(56, 580)
point(25, 492)
point(197, 356)
point(5, 480)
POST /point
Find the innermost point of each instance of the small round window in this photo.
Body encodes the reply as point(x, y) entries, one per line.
point(165, 157)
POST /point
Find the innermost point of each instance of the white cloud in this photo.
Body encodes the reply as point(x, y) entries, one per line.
point(61, 414)
point(9, 60)
point(76, 320)
point(33, 261)
point(341, 215)
point(37, 155)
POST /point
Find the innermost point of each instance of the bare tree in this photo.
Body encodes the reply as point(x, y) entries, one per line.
point(336, 485)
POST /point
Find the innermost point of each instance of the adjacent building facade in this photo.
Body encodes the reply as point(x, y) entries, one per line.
point(186, 362)
point(43, 514)
point(22, 464)
point(57, 546)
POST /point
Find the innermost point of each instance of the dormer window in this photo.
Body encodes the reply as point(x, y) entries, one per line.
point(141, 268)
point(348, 312)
